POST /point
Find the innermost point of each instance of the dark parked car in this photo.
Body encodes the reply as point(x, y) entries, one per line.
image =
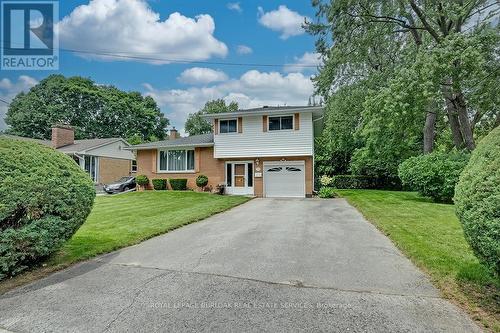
point(121, 185)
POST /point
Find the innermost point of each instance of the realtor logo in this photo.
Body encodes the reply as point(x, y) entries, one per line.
point(28, 38)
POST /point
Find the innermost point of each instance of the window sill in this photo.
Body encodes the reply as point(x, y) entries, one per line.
point(180, 171)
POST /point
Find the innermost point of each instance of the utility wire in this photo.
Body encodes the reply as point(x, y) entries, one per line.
point(138, 56)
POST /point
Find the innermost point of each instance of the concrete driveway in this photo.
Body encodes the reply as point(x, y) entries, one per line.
point(276, 265)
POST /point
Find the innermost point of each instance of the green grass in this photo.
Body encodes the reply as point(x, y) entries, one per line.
point(127, 219)
point(432, 237)
point(122, 220)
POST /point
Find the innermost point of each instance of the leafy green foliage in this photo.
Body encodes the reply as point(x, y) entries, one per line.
point(159, 184)
point(196, 125)
point(44, 198)
point(477, 200)
point(201, 181)
point(178, 184)
point(96, 111)
point(433, 175)
point(401, 78)
point(327, 192)
point(142, 180)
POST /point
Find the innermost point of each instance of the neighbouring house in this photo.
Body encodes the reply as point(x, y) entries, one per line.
point(105, 160)
point(266, 152)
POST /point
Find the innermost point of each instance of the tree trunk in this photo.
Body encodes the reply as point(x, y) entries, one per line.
point(429, 131)
point(465, 125)
point(451, 112)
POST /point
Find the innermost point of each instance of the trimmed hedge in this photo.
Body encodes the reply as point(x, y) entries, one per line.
point(178, 184)
point(364, 182)
point(159, 184)
point(433, 175)
point(477, 201)
point(44, 198)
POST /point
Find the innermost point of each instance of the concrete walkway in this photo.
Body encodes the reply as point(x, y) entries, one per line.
point(275, 265)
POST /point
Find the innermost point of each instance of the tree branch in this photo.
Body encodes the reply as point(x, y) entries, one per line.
point(424, 21)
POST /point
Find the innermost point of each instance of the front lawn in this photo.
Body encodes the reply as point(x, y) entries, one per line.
point(432, 237)
point(126, 219)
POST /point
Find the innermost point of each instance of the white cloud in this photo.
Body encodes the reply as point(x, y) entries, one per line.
point(283, 20)
point(9, 89)
point(252, 89)
point(131, 26)
point(306, 63)
point(235, 6)
point(201, 75)
point(243, 49)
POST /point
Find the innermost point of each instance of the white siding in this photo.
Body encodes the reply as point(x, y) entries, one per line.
point(113, 150)
point(254, 142)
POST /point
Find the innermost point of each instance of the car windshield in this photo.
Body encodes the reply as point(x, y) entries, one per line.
point(123, 179)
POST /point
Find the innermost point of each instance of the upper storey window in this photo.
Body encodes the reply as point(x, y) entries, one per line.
point(281, 123)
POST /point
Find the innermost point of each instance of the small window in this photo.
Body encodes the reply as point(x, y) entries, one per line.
point(134, 166)
point(292, 169)
point(277, 169)
point(228, 126)
point(280, 123)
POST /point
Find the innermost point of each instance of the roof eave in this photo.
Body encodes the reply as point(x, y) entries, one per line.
point(315, 110)
point(171, 146)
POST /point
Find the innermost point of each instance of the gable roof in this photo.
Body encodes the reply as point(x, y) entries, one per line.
point(202, 140)
point(266, 110)
point(79, 146)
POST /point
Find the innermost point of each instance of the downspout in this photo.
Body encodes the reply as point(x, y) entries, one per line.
point(314, 157)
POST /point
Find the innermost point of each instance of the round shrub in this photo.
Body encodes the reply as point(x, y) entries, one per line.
point(44, 198)
point(142, 180)
point(159, 184)
point(326, 192)
point(201, 181)
point(477, 201)
point(433, 175)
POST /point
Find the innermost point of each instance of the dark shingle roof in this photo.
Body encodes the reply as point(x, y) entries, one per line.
point(277, 108)
point(317, 110)
point(194, 140)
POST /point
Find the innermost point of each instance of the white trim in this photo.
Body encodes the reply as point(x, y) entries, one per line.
point(102, 145)
point(184, 146)
point(284, 162)
point(158, 161)
point(264, 112)
point(245, 190)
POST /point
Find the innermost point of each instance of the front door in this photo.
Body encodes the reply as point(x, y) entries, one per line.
point(239, 178)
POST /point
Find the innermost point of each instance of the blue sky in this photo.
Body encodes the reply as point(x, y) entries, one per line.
point(257, 32)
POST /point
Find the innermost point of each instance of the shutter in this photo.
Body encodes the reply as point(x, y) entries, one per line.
point(240, 124)
point(216, 126)
point(297, 121)
point(264, 123)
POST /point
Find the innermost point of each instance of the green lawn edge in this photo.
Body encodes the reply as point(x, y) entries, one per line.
point(430, 235)
point(106, 235)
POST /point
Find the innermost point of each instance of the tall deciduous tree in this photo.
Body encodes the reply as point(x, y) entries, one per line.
point(96, 111)
point(354, 35)
point(196, 125)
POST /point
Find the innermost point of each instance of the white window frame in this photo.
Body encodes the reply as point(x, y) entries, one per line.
point(186, 170)
point(280, 116)
point(132, 166)
point(228, 119)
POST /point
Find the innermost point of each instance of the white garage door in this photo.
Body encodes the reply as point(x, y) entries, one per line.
point(284, 180)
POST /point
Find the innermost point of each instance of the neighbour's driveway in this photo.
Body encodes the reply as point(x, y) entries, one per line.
point(277, 265)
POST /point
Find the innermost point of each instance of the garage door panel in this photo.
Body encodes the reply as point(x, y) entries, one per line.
point(286, 180)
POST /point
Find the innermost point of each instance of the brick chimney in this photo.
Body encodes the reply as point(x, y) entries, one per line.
point(173, 134)
point(62, 135)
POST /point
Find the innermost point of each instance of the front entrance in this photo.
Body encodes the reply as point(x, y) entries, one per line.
point(239, 178)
